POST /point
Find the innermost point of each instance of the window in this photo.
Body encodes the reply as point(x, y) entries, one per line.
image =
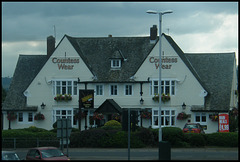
point(116, 63)
point(65, 87)
point(113, 90)
point(20, 117)
point(63, 114)
point(167, 118)
point(128, 90)
point(69, 113)
point(200, 117)
point(99, 90)
point(30, 117)
point(167, 87)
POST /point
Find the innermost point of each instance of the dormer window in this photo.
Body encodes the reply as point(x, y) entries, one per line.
point(116, 63)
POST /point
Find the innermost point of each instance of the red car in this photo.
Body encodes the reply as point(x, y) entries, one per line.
point(46, 153)
point(193, 128)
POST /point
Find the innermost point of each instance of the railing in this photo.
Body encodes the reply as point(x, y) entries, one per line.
point(28, 142)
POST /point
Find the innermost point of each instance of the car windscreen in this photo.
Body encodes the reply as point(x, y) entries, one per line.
point(191, 126)
point(51, 153)
point(10, 156)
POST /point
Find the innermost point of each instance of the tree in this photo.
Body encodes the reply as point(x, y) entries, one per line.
point(233, 120)
point(4, 94)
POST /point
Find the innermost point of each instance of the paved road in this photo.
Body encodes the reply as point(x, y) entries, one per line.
point(147, 153)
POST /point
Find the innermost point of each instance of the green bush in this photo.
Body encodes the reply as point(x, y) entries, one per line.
point(146, 136)
point(34, 129)
point(229, 139)
point(195, 140)
point(112, 123)
point(28, 137)
point(174, 135)
point(87, 138)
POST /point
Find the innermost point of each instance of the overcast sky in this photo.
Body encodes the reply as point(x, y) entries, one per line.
point(195, 27)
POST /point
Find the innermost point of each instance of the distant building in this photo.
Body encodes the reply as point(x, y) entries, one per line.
point(123, 72)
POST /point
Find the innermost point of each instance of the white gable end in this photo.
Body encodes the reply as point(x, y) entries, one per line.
point(64, 64)
point(173, 68)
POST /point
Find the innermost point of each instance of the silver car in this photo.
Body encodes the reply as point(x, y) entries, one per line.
point(9, 155)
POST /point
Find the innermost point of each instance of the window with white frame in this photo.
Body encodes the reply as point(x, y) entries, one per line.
point(113, 90)
point(61, 113)
point(30, 117)
point(25, 117)
point(200, 118)
point(64, 87)
point(167, 87)
point(20, 117)
point(167, 117)
point(128, 90)
point(99, 89)
point(115, 63)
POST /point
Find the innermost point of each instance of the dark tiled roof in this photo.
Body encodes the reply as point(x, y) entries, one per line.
point(216, 71)
point(97, 54)
point(213, 71)
point(27, 68)
point(109, 106)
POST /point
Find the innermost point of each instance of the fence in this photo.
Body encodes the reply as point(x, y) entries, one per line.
point(28, 142)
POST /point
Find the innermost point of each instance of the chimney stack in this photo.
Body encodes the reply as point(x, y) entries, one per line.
point(153, 33)
point(50, 45)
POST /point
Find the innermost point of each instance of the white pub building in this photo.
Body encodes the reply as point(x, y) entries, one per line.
point(123, 72)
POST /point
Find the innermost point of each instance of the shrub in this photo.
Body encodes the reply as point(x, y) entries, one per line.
point(34, 129)
point(27, 137)
point(112, 124)
point(87, 138)
point(229, 139)
point(174, 135)
point(145, 136)
point(195, 140)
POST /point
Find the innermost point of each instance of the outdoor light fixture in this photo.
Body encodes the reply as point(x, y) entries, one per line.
point(183, 106)
point(43, 105)
point(160, 65)
point(141, 101)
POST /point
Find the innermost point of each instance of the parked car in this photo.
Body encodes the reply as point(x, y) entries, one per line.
point(9, 155)
point(193, 128)
point(46, 153)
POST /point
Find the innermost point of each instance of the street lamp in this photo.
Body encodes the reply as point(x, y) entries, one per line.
point(160, 66)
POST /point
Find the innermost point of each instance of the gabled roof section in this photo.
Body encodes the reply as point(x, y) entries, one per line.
point(185, 60)
point(28, 66)
point(109, 106)
point(97, 52)
point(216, 71)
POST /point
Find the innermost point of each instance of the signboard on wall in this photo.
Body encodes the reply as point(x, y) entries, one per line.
point(223, 122)
point(86, 98)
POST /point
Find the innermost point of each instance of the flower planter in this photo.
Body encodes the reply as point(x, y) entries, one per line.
point(164, 98)
point(39, 116)
point(12, 116)
point(182, 116)
point(213, 117)
point(63, 98)
point(146, 115)
point(98, 116)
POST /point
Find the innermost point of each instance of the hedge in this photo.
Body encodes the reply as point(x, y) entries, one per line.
point(113, 137)
point(28, 137)
point(229, 139)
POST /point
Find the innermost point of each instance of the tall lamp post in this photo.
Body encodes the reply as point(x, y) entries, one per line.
point(160, 67)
